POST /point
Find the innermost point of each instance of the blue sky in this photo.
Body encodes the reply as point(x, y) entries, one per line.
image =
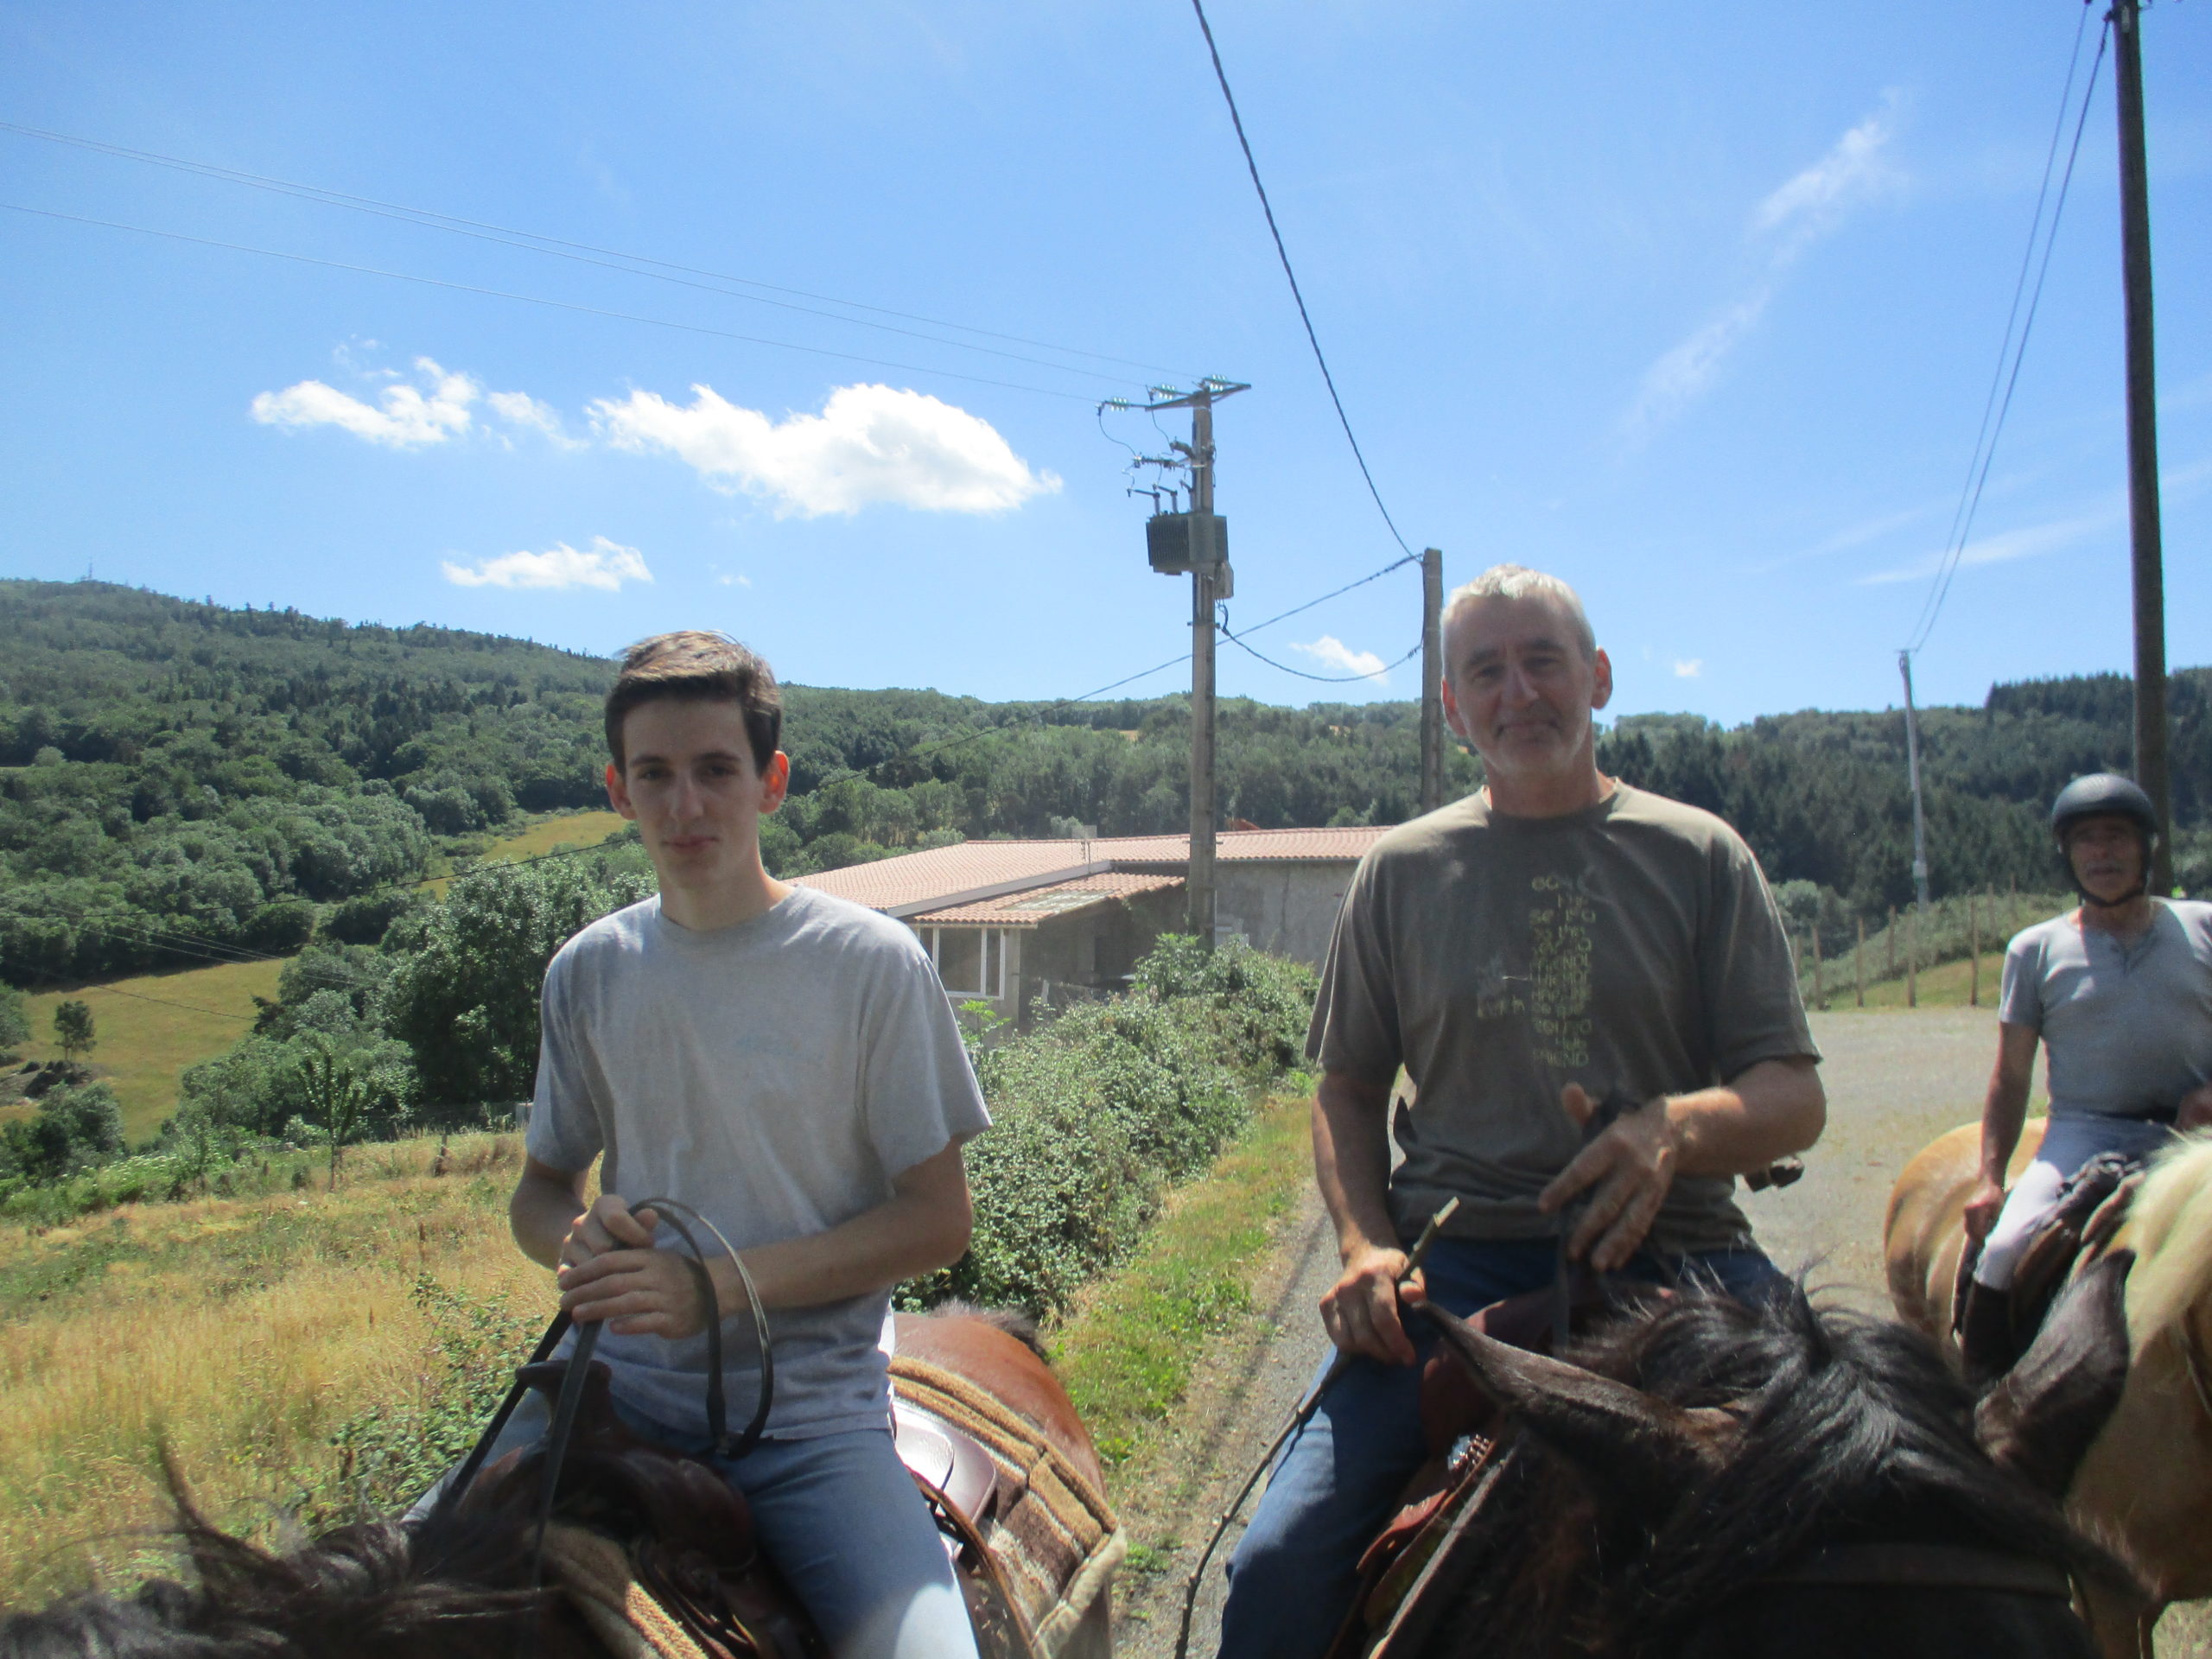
point(1697, 307)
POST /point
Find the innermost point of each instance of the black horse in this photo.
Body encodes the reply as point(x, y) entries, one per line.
point(1709, 1480)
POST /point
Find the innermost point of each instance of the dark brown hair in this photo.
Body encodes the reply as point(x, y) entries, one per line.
point(698, 665)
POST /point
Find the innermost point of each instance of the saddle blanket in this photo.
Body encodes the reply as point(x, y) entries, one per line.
point(1054, 1535)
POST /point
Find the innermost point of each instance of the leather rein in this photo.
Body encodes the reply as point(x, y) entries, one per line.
point(557, 1437)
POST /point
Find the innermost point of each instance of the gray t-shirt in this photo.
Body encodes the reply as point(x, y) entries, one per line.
point(1632, 948)
point(775, 1076)
point(2128, 1027)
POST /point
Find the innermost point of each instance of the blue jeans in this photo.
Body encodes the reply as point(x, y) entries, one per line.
point(1338, 1482)
point(844, 1523)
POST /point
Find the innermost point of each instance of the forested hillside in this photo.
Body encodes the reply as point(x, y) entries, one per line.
point(174, 772)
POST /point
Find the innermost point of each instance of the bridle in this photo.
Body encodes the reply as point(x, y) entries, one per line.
point(570, 1398)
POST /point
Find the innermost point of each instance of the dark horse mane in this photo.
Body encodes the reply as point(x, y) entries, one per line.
point(374, 1590)
point(1848, 1430)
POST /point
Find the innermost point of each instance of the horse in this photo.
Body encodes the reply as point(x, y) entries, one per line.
point(465, 1584)
point(1703, 1479)
point(2143, 1483)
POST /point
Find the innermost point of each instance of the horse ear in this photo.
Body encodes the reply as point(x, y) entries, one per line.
point(1647, 1448)
point(2042, 1416)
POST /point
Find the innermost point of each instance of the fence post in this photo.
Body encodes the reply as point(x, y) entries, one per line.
point(1859, 964)
point(1820, 988)
point(1974, 944)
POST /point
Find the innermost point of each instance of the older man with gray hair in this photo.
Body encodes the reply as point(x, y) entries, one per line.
point(1555, 941)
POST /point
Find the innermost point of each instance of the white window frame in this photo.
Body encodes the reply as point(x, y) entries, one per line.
point(993, 959)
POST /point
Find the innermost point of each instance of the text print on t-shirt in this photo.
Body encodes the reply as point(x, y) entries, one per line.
point(1560, 920)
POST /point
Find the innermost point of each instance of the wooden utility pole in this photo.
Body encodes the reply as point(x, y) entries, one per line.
point(1890, 936)
point(2142, 438)
point(1205, 585)
point(1858, 965)
point(1196, 542)
point(1432, 679)
point(1820, 988)
point(1912, 958)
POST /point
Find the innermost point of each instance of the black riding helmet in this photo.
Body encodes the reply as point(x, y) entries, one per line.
point(2104, 794)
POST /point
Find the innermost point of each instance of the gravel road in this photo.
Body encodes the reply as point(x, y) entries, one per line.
point(1894, 1081)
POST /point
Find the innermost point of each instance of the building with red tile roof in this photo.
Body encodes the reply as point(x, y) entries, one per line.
point(1009, 922)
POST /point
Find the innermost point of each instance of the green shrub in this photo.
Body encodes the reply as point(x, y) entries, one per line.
point(1096, 1115)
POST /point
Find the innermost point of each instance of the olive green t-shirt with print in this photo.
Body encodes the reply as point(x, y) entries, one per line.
point(1632, 948)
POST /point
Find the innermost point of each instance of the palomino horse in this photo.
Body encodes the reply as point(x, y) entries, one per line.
point(464, 1585)
point(2144, 1485)
point(1710, 1480)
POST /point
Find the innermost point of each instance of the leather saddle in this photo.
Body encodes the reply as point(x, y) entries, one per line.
point(1459, 1427)
point(690, 1534)
point(2086, 1212)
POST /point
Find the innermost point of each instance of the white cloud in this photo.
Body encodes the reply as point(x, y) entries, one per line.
point(733, 582)
point(1681, 376)
point(1337, 655)
point(1814, 202)
point(410, 416)
point(1804, 209)
point(607, 566)
point(2026, 542)
point(1688, 667)
point(520, 408)
point(870, 444)
point(407, 416)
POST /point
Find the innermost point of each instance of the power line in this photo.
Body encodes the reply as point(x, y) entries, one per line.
point(1985, 454)
point(581, 252)
point(1283, 253)
point(1325, 679)
point(533, 299)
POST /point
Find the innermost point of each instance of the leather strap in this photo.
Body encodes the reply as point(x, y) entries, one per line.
point(1946, 1567)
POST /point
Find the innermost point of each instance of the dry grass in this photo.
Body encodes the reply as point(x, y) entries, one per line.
point(153, 1026)
point(241, 1334)
point(569, 830)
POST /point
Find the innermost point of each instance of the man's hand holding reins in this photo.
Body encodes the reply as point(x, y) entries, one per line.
point(1627, 1172)
point(609, 1270)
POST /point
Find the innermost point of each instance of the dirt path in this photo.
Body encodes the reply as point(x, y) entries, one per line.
point(1894, 1082)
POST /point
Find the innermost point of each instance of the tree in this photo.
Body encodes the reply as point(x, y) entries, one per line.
point(466, 999)
point(72, 1029)
point(337, 1094)
point(15, 1024)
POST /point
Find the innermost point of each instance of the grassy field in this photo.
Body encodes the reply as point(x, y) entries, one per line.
point(569, 830)
point(1947, 985)
point(298, 1352)
point(275, 1345)
point(152, 1026)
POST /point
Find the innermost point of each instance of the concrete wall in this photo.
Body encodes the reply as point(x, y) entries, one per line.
point(1288, 910)
point(1089, 953)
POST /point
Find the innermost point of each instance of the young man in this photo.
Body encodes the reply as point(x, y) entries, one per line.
point(1556, 938)
point(787, 1064)
point(2121, 991)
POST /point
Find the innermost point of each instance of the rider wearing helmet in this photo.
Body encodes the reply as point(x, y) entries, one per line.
point(2120, 991)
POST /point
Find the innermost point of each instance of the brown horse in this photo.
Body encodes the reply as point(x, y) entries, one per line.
point(2144, 1486)
point(1711, 1480)
point(462, 1586)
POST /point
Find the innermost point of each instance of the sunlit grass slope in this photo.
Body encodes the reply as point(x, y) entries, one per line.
point(569, 830)
point(248, 1335)
point(151, 1028)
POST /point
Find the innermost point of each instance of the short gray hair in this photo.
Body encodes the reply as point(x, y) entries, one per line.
point(1518, 582)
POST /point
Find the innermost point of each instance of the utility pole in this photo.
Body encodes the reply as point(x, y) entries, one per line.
point(2142, 438)
point(1912, 765)
point(1432, 679)
point(1196, 542)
